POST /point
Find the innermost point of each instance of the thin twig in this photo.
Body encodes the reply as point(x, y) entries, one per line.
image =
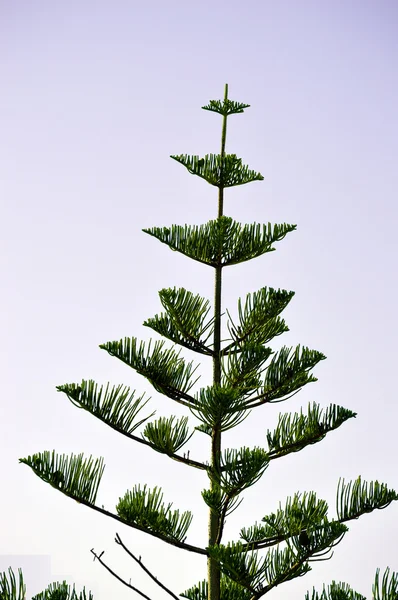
point(147, 571)
point(117, 576)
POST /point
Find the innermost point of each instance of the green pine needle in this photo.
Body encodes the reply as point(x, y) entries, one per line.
point(225, 107)
point(242, 371)
point(164, 368)
point(10, 587)
point(115, 405)
point(220, 406)
point(259, 320)
point(240, 469)
point(62, 591)
point(256, 574)
point(223, 241)
point(287, 373)
point(335, 591)
point(301, 512)
point(226, 171)
point(72, 475)
point(296, 431)
point(185, 320)
point(359, 497)
point(167, 435)
point(229, 590)
point(385, 588)
point(145, 508)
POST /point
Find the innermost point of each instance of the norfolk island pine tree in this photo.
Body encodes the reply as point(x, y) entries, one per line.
point(247, 374)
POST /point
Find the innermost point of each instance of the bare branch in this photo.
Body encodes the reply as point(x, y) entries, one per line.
point(98, 557)
point(147, 571)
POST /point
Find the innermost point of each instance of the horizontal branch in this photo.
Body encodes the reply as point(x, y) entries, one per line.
point(182, 459)
point(266, 543)
point(285, 450)
point(159, 536)
point(277, 539)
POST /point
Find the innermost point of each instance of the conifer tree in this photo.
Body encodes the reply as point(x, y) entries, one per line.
point(247, 375)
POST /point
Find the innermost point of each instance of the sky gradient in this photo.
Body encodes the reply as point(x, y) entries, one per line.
point(95, 97)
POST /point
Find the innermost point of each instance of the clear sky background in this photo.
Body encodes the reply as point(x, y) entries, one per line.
point(95, 96)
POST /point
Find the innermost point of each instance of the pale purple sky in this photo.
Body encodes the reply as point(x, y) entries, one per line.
point(95, 97)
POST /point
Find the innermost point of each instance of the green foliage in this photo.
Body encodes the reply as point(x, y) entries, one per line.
point(242, 370)
point(221, 407)
point(225, 107)
point(168, 435)
point(335, 591)
point(63, 591)
point(240, 469)
point(288, 371)
point(185, 320)
point(114, 406)
point(300, 513)
point(221, 171)
point(165, 369)
point(10, 587)
point(359, 497)
point(220, 501)
point(387, 587)
point(245, 567)
point(145, 508)
point(72, 475)
point(223, 241)
point(258, 317)
point(228, 588)
point(296, 431)
point(384, 589)
point(317, 542)
point(256, 574)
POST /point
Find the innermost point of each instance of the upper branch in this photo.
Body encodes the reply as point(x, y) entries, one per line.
point(141, 509)
point(117, 408)
point(222, 240)
point(186, 321)
point(288, 371)
point(164, 368)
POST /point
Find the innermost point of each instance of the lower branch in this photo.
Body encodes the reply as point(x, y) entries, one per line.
point(144, 568)
point(98, 557)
